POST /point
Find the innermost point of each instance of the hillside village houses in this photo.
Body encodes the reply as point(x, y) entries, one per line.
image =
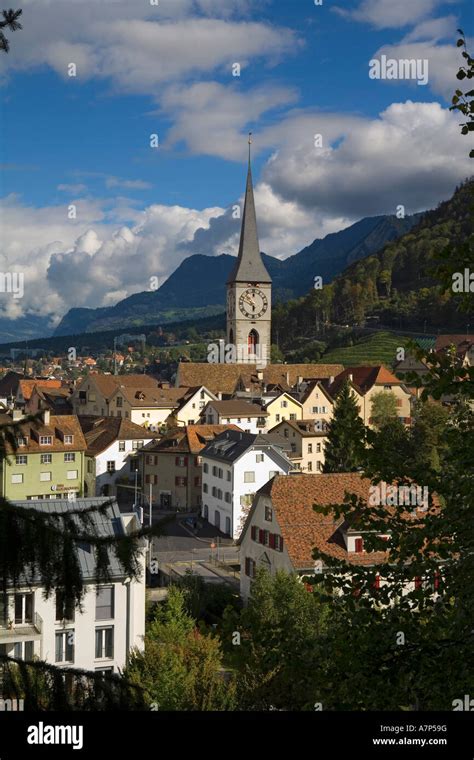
point(172, 466)
point(112, 453)
point(112, 621)
point(365, 382)
point(306, 443)
point(49, 461)
point(234, 466)
point(250, 417)
point(282, 528)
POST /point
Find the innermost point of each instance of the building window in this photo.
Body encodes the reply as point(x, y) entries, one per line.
point(214, 471)
point(227, 525)
point(46, 458)
point(310, 466)
point(69, 456)
point(229, 475)
point(319, 466)
point(278, 542)
point(250, 567)
point(205, 488)
point(71, 475)
point(249, 477)
point(119, 400)
point(46, 440)
point(65, 646)
point(359, 545)
point(17, 478)
point(293, 416)
point(228, 497)
point(277, 417)
point(205, 467)
point(310, 448)
point(268, 514)
point(68, 439)
point(45, 476)
point(22, 440)
point(22, 459)
point(104, 643)
point(121, 445)
point(23, 609)
point(318, 448)
point(24, 650)
point(104, 603)
point(259, 458)
point(111, 465)
point(90, 465)
point(284, 404)
point(220, 473)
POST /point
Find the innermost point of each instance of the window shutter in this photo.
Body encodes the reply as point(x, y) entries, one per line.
point(176, 461)
point(271, 541)
point(280, 547)
point(247, 566)
point(359, 545)
point(261, 536)
point(253, 532)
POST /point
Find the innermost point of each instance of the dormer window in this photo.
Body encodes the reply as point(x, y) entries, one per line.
point(46, 440)
point(22, 440)
point(68, 439)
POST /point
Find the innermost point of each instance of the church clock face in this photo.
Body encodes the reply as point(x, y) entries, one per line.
point(253, 303)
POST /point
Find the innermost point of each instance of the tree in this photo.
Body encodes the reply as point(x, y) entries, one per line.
point(345, 445)
point(430, 421)
point(10, 21)
point(181, 667)
point(383, 407)
point(464, 101)
point(281, 652)
point(418, 623)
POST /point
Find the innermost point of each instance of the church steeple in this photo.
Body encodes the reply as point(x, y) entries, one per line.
point(249, 266)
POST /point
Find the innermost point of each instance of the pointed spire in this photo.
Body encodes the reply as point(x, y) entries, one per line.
point(249, 266)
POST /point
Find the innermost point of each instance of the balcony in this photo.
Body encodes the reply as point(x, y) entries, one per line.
point(13, 632)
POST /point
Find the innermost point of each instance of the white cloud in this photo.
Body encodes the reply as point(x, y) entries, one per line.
point(72, 188)
point(128, 184)
point(384, 14)
point(412, 154)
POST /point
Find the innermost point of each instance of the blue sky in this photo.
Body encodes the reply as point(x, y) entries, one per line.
point(168, 70)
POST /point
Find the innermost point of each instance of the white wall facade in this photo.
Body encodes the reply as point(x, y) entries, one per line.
point(122, 463)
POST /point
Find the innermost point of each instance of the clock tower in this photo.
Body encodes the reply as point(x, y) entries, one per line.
point(249, 291)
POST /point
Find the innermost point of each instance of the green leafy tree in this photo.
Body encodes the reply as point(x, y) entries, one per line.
point(345, 445)
point(464, 101)
point(281, 653)
point(383, 407)
point(181, 667)
point(10, 21)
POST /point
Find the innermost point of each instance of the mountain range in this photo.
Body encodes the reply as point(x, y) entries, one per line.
point(197, 287)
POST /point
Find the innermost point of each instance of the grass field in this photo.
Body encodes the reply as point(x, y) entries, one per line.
point(376, 348)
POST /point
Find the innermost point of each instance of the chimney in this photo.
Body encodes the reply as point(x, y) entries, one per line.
point(287, 378)
point(351, 377)
point(219, 396)
point(46, 416)
point(299, 380)
point(331, 379)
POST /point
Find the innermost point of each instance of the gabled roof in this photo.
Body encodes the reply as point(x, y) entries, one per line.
point(101, 432)
point(147, 397)
point(303, 529)
point(67, 424)
point(249, 266)
point(461, 342)
point(305, 428)
point(26, 386)
point(230, 445)
point(107, 384)
point(188, 440)
point(224, 378)
point(363, 379)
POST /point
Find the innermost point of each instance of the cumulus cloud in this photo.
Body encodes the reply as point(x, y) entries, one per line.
point(412, 154)
point(138, 48)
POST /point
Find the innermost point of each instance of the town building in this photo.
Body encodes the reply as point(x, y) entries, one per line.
point(282, 528)
point(248, 417)
point(112, 454)
point(49, 461)
point(366, 382)
point(172, 467)
point(306, 441)
point(112, 621)
point(234, 466)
